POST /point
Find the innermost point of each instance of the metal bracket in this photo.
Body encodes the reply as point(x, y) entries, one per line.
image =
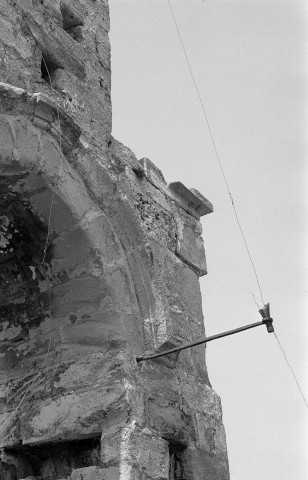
point(267, 320)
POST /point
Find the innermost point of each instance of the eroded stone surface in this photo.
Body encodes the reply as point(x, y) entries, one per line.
point(99, 264)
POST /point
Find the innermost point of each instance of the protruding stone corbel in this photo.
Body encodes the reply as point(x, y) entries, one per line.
point(190, 200)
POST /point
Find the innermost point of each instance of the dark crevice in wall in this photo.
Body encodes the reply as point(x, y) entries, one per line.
point(49, 461)
point(48, 66)
point(175, 463)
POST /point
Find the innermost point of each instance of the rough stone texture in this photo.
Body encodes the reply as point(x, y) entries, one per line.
point(99, 263)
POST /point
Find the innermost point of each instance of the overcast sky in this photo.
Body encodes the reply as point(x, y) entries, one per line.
point(250, 63)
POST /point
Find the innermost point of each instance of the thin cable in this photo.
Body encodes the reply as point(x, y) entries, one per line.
point(292, 371)
point(53, 193)
point(254, 299)
point(215, 148)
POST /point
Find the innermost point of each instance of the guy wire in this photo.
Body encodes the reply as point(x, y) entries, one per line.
point(254, 299)
point(228, 188)
point(291, 369)
point(216, 150)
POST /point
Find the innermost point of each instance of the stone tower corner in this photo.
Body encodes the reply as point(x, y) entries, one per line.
point(100, 262)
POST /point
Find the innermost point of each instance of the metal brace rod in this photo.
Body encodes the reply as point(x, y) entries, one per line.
point(266, 321)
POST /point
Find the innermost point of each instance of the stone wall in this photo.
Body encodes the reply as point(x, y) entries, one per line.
point(100, 262)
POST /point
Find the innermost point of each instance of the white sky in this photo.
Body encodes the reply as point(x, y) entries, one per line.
point(250, 62)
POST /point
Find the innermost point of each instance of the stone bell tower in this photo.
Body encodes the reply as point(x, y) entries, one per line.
point(100, 262)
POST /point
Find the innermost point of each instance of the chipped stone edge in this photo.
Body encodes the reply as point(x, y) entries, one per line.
point(44, 113)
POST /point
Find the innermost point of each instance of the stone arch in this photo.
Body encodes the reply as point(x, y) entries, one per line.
point(84, 281)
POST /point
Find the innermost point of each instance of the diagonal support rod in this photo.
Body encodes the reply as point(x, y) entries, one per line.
point(267, 320)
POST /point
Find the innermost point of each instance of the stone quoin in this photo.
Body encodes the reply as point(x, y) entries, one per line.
point(100, 262)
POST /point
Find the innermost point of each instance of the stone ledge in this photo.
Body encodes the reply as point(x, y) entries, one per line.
point(190, 200)
point(43, 111)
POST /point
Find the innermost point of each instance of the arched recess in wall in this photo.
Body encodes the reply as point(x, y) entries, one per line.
point(84, 281)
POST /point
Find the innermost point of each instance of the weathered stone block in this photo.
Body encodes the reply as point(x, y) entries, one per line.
point(190, 247)
point(136, 450)
point(168, 421)
point(199, 397)
point(74, 415)
point(150, 454)
point(197, 465)
point(210, 434)
point(152, 173)
point(191, 200)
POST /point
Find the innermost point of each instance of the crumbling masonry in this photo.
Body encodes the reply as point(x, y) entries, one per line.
point(99, 263)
